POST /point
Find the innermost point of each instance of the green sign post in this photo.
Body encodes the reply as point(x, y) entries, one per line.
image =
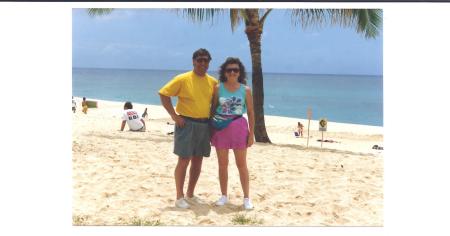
point(322, 128)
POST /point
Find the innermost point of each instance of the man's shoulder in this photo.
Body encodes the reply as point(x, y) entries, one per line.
point(184, 75)
point(211, 78)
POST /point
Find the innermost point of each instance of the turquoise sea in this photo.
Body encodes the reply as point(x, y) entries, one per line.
point(356, 99)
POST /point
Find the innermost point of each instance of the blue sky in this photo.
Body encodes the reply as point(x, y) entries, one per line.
point(160, 39)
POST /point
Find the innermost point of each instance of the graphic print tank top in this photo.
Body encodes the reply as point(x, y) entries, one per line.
point(231, 103)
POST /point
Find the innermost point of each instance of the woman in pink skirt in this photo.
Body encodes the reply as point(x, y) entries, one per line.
point(232, 98)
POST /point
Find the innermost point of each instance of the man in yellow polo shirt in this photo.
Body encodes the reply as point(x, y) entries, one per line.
point(194, 90)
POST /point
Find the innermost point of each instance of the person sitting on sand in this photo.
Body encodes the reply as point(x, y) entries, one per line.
point(131, 117)
point(84, 105)
point(300, 129)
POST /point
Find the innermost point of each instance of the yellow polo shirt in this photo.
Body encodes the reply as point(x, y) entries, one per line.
point(194, 93)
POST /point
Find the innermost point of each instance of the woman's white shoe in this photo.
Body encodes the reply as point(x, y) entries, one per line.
point(181, 203)
point(248, 204)
point(222, 201)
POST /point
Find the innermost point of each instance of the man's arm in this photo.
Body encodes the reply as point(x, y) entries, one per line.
point(167, 104)
point(214, 101)
point(123, 125)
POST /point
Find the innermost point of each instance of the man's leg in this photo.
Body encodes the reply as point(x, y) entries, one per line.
point(180, 175)
point(194, 174)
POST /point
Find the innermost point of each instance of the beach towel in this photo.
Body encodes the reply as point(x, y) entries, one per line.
point(91, 104)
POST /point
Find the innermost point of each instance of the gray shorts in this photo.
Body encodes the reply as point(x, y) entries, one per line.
point(192, 140)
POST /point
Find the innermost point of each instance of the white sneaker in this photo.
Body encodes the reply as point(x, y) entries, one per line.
point(222, 201)
point(194, 199)
point(181, 203)
point(248, 204)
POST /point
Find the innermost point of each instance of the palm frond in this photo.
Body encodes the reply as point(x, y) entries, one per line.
point(265, 14)
point(236, 17)
point(99, 11)
point(369, 22)
point(200, 15)
point(366, 21)
point(308, 17)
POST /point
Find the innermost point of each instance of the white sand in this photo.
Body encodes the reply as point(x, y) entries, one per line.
point(121, 177)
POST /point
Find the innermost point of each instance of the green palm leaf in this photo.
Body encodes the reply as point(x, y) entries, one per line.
point(366, 21)
point(99, 11)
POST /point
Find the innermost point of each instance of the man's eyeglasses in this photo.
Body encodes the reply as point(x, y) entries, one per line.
point(202, 59)
point(229, 70)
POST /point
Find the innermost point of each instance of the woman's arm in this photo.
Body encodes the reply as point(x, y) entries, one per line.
point(251, 116)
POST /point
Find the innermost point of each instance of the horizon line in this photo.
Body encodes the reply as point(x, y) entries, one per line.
point(115, 68)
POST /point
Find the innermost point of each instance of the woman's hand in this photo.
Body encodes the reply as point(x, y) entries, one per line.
point(250, 140)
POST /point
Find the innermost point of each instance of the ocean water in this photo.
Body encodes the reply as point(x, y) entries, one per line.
point(356, 99)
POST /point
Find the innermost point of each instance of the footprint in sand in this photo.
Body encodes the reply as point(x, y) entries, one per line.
point(335, 215)
point(262, 197)
point(206, 222)
point(145, 188)
point(107, 195)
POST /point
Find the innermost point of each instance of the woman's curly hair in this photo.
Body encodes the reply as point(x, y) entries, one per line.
point(233, 60)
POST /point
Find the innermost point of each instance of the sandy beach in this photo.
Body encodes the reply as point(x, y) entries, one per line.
point(126, 178)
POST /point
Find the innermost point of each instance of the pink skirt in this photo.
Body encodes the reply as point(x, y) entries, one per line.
point(234, 136)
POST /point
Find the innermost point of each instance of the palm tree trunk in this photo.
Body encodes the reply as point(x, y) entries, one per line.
point(254, 31)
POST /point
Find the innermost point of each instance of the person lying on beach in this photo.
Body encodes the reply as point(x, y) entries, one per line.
point(131, 117)
point(327, 141)
point(377, 147)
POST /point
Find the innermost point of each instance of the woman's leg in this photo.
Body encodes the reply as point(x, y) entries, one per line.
point(222, 157)
point(241, 163)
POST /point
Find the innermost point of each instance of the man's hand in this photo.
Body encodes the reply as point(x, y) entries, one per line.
point(179, 121)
